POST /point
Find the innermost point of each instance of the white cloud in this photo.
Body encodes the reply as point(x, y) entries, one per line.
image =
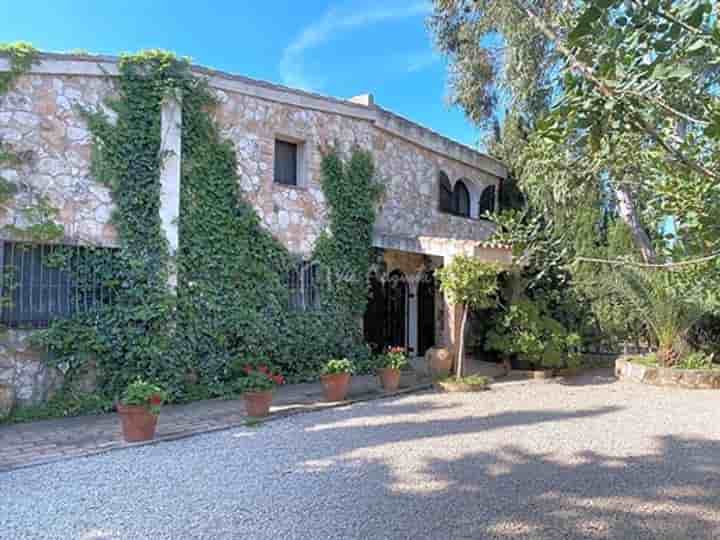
point(331, 24)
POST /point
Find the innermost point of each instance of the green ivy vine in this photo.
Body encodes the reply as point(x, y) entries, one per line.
point(231, 298)
point(38, 212)
point(21, 56)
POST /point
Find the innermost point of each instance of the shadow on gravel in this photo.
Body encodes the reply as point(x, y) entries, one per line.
point(672, 494)
point(389, 431)
point(597, 377)
point(508, 492)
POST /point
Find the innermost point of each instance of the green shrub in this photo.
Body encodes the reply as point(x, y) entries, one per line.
point(145, 394)
point(696, 360)
point(393, 358)
point(337, 365)
point(534, 336)
point(61, 405)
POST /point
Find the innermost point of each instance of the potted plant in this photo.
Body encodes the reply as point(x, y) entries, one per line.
point(389, 367)
point(139, 409)
point(335, 378)
point(256, 386)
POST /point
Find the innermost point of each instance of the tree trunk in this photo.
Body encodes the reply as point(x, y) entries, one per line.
point(461, 344)
point(628, 213)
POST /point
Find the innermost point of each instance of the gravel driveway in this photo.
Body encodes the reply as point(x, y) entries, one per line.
point(589, 458)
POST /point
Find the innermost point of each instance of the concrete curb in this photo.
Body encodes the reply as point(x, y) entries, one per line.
point(290, 410)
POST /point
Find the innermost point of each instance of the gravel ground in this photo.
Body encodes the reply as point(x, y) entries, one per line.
point(592, 458)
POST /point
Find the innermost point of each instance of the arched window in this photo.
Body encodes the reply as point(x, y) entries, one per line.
point(445, 195)
point(461, 199)
point(487, 201)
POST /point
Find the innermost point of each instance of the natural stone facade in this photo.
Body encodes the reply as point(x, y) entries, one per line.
point(24, 368)
point(660, 376)
point(42, 117)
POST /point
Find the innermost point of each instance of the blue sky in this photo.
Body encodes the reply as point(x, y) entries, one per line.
point(340, 48)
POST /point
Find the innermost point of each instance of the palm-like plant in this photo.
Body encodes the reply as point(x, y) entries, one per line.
point(668, 305)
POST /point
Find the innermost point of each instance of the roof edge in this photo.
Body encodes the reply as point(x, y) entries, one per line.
point(393, 123)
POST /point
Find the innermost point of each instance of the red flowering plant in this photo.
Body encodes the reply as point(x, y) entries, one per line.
point(145, 394)
point(394, 358)
point(255, 377)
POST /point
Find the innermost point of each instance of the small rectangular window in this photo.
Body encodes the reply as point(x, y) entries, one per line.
point(304, 286)
point(286, 163)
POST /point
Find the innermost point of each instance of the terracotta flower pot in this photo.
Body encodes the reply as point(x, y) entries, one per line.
point(390, 378)
point(138, 423)
point(258, 403)
point(335, 386)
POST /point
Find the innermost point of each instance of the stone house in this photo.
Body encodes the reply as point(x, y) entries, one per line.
point(435, 191)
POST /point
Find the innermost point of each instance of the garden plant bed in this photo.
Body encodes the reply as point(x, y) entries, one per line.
point(472, 383)
point(635, 370)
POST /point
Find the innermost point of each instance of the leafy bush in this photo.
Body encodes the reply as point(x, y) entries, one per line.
point(257, 379)
point(145, 394)
point(337, 365)
point(534, 336)
point(696, 360)
point(394, 358)
point(472, 284)
point(61, 405)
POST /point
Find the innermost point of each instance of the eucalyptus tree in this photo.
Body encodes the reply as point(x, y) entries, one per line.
point(620, 102)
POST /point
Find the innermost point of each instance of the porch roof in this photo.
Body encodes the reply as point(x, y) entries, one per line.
point(445, 247)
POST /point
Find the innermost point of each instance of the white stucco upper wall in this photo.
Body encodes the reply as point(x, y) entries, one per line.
point(102, 66)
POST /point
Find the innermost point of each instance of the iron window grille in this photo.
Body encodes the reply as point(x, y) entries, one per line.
point(305, 286)
point(34, 290)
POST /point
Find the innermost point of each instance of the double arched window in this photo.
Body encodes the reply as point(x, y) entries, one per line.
point(487, 201)
point(453, 200)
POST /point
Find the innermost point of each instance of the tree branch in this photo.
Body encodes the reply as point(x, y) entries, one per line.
point(608, 92)
point(663, 266)
point(671, 19)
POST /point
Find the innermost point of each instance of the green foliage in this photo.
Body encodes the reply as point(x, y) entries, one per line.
point(693, 360)
point(527, 330)
point(145, 394)
point(469, 282)
point(351, 193)
point(472, 380)
point(337, 365)
point(64, 403)
point(666, 303)
point(696, 360)
point(22, 56)
point(231, 299)
point(254, 382)
point(393, 358)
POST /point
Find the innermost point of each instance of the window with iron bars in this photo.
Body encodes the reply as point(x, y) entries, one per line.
point(305, 286)
point(34, 291)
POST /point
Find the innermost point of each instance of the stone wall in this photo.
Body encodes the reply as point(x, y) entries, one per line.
point(297, 214)
point(41, 118)
point(660, 376)
point(24, 368)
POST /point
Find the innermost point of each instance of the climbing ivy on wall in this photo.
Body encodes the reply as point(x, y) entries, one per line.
point(231, 298)
point(21, 56)
point(38, 214)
